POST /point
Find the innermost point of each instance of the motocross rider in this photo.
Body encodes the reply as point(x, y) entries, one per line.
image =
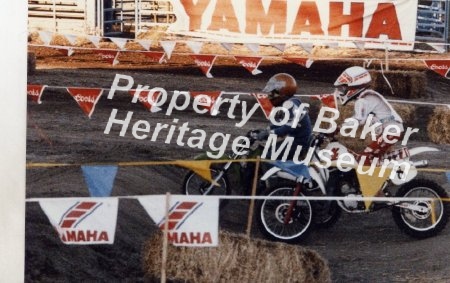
point(281, 89)
point(354, 83)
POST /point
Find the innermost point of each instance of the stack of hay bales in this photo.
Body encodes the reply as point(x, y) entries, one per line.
point(405, 84)
point(439, 126)
point(237, 259)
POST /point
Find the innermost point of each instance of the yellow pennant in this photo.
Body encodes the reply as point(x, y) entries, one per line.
point(371, 184)
point(200, 167)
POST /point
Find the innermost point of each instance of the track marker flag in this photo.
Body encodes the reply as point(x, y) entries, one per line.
point(99, 179)
point(442, 67)
point(34, 92)
point(82, 221)
point(264, 103)
point(207, 100)
point(205, 63)
point(305, 62)
point(193, 221)
point(168, 47)
point(195, 46)
point(144, 99)
point(109, 56)
point(120, 42)
point(145, 43)
point(46, 36)
point(155, 56)
point(86, 98)
point(328, 100)
point(250, 63)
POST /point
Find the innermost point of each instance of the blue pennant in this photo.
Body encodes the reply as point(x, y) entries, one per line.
point(99, 179)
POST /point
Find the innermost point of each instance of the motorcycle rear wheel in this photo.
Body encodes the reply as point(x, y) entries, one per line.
point(422, 225)
point(194, 184)
point(271, 214)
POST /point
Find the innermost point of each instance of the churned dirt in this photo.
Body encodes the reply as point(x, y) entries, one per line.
point(359, 248)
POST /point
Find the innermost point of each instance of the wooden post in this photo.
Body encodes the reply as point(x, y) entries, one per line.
point(165, 241)
point(252, 201)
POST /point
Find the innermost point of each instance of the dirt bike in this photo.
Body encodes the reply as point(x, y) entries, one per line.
point(290, 220)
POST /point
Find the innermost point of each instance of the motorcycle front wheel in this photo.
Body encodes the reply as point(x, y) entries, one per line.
point(194, 184)
point(430, 221)
point(272, 215)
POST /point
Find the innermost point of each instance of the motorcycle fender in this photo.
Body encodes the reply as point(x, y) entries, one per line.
point(421, 149)
point(316, 177)
point(270, 172)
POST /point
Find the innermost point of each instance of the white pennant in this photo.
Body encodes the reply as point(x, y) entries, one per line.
point(439, 47)
point(94, 39)
point(280, 46)
point(359, 44)
point(227, 45)
point(145, 43)
point(333, 44)
point(46, 37)
point(254, 47)
point(195, 46)
point(120, 42)
point(71, 38)
point(307, 47)
point(168, 47)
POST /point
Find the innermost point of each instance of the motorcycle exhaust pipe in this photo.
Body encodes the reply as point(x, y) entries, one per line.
point(420, 164)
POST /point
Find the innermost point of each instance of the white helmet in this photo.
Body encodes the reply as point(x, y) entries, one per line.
point(351, 83)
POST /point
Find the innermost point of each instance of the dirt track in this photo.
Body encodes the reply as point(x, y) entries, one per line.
point(360, 248)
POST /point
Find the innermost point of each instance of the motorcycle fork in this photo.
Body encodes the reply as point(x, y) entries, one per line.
point(297, 191)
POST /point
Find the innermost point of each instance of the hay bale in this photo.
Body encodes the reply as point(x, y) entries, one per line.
point(237, 259)
point(405, 84)
point(439, 126)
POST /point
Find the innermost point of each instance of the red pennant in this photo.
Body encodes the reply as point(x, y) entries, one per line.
point(155, 56)
point(205, 63)
point(442, 67)
point(66, 51)
point(205, 102)
point(34, 92)
point(148, 102)
point(86, 98)
point(328, 100)
point(264, 103)
point(305, 62)
point(109, 56)
point(250, 63)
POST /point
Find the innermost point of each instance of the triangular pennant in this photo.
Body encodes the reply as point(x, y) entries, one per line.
point(200, 167)
point(333, 44)
point(95, 40)
point(148, 98)
point(280, 46)
point(99, 179)
point(109, 56)
point(120, 42)
point(155, 56)
point(371, 183)
point(195, 46)
point(250, 63)
point(191, 221)
point(264, 103)
point(82, 221)
point(206, 99)
point(205, 63)
point(359, 44)
point(227, 46)
point(71, 38)
point(328, 100)
point(254, 47)
point(34, 92)
point(86, 98)
point(45, 36)
point(145, 43)
point(305, 62)
point(168, 47)
point(66, 51)
point(307, 46)
point(441, 67)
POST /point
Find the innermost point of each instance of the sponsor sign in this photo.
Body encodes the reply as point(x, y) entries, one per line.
point(34, 92)
point(192, 220)
point(205, 63)
point(207, 99)
point(441, 67)
point(148, 98)
point(155, 56)
point(264, 103)
point(305, 62)
point(109, 56)
point(85, 221)
point(86, 98)
point(250, 63)
point(267, 21)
